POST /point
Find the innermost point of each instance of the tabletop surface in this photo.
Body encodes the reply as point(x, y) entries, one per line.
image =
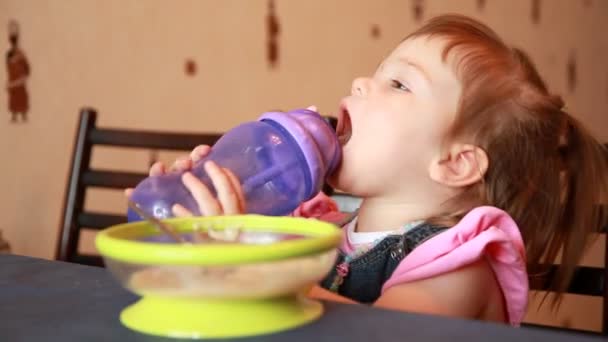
point(42, 300)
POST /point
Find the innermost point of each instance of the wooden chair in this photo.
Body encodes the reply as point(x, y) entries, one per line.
point(82, 177)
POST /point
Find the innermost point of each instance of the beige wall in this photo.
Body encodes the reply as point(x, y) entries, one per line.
point(126, 58)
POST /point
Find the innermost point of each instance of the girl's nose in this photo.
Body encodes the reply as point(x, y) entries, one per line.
point(360, 86)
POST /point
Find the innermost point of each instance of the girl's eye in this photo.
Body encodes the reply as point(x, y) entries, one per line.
point(398, 85)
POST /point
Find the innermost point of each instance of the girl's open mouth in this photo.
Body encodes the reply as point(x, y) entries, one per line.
point(344, 127)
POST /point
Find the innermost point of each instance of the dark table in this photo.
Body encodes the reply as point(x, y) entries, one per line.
point(43, 300)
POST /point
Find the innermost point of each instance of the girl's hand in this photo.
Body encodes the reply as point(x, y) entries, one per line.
point(230, 198)
point(317, 292)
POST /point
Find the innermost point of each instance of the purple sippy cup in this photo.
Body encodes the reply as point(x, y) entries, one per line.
point(281, 161)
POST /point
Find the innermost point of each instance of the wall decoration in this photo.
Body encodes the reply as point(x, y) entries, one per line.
point(535, 13)
point(273, 30)
point(375, 31)
point(571, 73)
point(190, 67)
point(18, 71)
point(481, 4)
point(418, 10)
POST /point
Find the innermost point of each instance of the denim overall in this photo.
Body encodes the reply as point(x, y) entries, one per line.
point(366, 274)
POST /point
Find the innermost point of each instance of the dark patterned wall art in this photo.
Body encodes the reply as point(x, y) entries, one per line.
point(190, 67)
point(535, 11)
point(571, 72)
point(18, 71)
point(418, 10)
point(375, 31)
point(273, 30)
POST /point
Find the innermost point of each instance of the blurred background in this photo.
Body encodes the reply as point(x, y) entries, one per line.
point(207, 65)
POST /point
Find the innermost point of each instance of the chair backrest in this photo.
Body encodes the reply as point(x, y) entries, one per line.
point(81, 177)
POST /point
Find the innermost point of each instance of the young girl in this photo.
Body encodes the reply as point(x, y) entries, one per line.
point(460, 155)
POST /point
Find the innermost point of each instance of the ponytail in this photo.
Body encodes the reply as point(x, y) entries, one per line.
point(584, 185)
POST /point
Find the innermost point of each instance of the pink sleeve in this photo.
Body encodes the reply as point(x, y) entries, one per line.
point(321, 207)
point(486, 232)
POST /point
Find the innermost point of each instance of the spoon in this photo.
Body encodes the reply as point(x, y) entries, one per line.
point(156, 222)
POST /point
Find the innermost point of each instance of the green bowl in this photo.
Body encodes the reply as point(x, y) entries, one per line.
point(253, 286)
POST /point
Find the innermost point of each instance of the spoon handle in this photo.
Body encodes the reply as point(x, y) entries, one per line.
point(158, 223)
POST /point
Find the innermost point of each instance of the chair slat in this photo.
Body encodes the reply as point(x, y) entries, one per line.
point(98, 221)
point(111, 179)
point(150, 139)
point(587, 281)
point(89, 260)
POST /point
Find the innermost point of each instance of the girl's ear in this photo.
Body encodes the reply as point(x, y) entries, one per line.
point(459, 166)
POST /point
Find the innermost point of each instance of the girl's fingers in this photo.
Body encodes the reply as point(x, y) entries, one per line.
point(200, 152)
point(236, 185)
point(226, 194)
point(179, 211)
point(207, 204)
point(157, 169)
point(128, 192)
point(313, 108)
point(181, 164)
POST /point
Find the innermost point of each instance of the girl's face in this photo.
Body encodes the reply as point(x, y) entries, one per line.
point(392, 124)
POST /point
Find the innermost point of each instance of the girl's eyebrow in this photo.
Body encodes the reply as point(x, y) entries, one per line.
point(417, 67)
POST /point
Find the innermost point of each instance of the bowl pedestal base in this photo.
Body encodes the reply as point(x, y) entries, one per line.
point(200, 318)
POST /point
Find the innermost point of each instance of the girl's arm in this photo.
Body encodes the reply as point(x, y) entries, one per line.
point(470, 292)
point(317, 292)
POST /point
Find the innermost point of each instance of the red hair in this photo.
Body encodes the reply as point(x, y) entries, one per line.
point(545, 169)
